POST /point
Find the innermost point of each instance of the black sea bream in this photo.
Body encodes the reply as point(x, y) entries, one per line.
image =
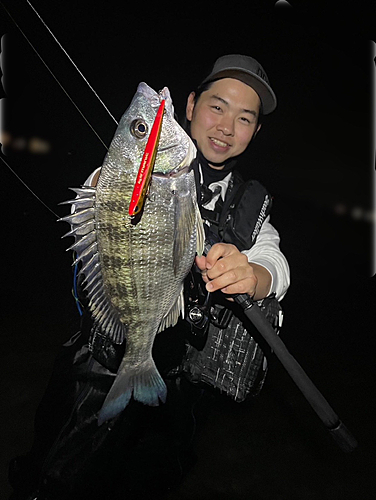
point(134, 268)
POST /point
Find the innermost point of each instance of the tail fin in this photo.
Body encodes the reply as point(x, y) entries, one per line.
point(144, 381)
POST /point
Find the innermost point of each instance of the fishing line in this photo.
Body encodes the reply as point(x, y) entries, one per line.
point(75, 287)
point(27, 187)
point(71, 60)
point(52, 74)
point(62, 88)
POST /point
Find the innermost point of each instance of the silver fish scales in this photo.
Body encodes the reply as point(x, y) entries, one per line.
point(134, 269)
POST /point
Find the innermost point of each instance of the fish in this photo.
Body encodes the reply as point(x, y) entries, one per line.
point(134, 267)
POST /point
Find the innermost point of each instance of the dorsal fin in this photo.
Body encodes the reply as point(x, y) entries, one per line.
point(82, 221)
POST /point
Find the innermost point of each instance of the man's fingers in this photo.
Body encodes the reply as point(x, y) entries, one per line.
point(201, 262)
point(244, 286)
point(229, 284)
point(225, 268)
point(230, 262)
point(218, 251)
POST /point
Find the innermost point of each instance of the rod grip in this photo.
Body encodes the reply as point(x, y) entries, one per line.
point(340, 433)
point(343, 437)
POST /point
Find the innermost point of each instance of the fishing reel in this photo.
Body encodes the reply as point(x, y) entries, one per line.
point(197, 312)
point(201, 312)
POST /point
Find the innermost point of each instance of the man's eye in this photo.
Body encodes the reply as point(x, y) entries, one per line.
point(216, 108)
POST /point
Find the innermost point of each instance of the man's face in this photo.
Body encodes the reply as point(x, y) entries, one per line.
point(224, 119)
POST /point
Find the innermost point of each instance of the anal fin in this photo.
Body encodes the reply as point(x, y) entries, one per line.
point(171, 318)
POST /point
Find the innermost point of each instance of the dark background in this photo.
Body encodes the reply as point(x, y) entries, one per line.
point(315, 154)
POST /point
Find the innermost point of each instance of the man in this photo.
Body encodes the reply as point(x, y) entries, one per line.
point(224, 115)
point(73, 457)
point(224, 120)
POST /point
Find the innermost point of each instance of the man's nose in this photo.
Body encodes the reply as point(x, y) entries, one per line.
point(226, 125)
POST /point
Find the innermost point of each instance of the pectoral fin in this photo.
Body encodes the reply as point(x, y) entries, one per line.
point(200, 233)
point(185, 218)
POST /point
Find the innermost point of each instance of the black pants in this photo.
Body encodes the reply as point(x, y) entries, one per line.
point(143, 447)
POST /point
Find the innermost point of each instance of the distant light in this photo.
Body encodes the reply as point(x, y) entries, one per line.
point(357, 213)
point(39, 146)
point(35, 145)
point(5, 138)
point(370, 216)
point(340, 209)
point(282, 3)
point(19, 143)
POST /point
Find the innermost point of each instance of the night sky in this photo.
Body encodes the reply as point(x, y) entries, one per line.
point(315, 153)
point(316, 146)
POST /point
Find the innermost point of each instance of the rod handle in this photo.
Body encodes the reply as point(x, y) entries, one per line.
point(343, 437)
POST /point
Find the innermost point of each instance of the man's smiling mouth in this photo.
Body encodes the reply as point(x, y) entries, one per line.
point(219, 143)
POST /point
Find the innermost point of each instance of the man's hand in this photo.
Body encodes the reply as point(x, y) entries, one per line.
point(228, 270)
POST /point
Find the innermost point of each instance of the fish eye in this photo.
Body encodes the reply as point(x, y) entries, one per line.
point(139, 128)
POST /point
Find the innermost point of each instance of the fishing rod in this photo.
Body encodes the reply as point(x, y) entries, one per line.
point(345, 440)
point(343, 437)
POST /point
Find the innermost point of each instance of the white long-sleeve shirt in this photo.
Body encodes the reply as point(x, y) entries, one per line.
point(265, 251)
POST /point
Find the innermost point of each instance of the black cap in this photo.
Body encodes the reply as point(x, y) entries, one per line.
point(249, 71)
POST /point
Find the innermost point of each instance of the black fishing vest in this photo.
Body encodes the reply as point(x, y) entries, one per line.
point(236, 220)
point(239, 218)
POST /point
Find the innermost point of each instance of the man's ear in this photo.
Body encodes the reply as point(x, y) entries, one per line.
point(190, 106)
point(256, 131)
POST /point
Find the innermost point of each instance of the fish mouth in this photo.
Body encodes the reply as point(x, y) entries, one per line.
point(155, 98)
point(184, 165)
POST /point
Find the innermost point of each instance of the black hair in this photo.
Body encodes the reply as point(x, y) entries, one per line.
point(197, 92)
point(202, 88)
